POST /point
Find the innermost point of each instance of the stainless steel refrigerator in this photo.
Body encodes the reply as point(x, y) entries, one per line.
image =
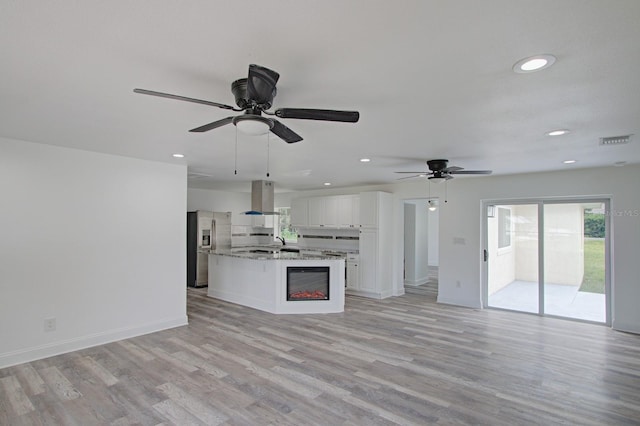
point(206, 231)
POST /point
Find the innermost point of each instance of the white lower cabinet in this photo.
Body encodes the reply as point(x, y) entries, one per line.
point(373, 267)
point(353, 272)
point(368, 260)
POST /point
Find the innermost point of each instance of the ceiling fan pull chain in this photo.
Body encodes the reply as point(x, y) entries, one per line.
point(235, 164)
point(268, 140)
point(445, 191)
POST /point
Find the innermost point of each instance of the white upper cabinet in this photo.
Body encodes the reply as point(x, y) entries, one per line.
point(348, 211)
point(330, 212)
point(369, 205)
point(264, 221)
point(338, 211)
point(241, 219)
point(300, 212)
point(316, 211)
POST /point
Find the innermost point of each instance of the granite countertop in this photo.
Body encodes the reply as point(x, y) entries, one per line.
point(271, 253)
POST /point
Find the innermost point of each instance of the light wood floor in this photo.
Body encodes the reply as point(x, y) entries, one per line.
point(403, 360)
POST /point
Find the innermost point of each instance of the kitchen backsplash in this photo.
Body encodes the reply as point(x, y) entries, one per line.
point(330, 239)
point(242, 235)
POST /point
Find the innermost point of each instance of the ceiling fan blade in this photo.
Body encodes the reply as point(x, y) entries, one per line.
point(422, 175)
point(213, 125)
point(183, 98)
point(416, 173)
point(471, 172)
point(319, 114)
point(285, 133)
point(261, 85)
point(452, 169)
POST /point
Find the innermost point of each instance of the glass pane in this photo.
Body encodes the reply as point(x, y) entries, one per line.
point(574, 261)
point(513, 257)
point(283, 226)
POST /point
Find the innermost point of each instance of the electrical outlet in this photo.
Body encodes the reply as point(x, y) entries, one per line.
point(49, 324)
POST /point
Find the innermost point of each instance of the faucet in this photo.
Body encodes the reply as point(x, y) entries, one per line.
point(282, 239)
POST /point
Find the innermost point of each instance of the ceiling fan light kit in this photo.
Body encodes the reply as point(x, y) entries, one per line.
point(434, 179)
point(253, 125)
point(254, 95)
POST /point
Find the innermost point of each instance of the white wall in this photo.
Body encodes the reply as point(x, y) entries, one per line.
point(409, 243)
point(416, 242)
point(434, 229)
point(93, 240)
point(460, 218)
point(460, 252)
point(218, 201)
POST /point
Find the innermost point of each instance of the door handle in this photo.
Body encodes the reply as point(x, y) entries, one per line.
point(485, 255)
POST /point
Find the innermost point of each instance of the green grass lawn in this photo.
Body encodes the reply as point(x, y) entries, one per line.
point(593, 281)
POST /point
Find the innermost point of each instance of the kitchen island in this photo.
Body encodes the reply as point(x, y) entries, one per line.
point(278, 282)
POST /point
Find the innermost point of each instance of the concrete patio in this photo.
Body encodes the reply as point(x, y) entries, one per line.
point(560, 300)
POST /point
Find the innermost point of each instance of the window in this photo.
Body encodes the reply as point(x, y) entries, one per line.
point(283, 227)
point(504, 227)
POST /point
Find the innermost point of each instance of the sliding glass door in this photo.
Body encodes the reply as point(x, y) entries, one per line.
point(548, 257)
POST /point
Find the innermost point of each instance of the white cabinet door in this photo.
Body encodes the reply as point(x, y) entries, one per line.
point(315, 211)
point(263, 221)
point(353, 279)
point(329, 212)
point(369, 209)
point(353, 273)
point(348, 212)
point(355, 210)
point(368, 260)
point(241, 219)
point(300, 212)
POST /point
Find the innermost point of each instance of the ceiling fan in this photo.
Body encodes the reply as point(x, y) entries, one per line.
point(439, 172)
point(254, 95)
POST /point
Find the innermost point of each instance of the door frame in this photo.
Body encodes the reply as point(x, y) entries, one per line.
point(541, 202)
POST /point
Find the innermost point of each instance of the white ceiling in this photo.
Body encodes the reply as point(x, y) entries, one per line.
point(431, 79)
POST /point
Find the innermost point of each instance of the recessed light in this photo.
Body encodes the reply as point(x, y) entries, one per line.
point(569, 161)
point(178, 155)
point(558, 132)
point(534, 63)
point(327, 184)
point(365, 160)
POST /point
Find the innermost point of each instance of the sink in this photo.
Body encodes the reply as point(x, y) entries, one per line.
point(264, 251)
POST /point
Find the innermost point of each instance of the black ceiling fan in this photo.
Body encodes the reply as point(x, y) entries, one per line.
point(439, 172)
point(254, 95)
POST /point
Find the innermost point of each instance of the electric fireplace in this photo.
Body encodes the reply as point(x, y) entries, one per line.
point(307, 283)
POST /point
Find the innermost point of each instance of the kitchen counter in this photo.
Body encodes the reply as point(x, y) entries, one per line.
point(263, 253)
point(257, 277)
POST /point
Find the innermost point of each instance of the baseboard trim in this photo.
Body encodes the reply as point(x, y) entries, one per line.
point(625, 328)
point(21, 356)
point(451, 302)
point(415, 283)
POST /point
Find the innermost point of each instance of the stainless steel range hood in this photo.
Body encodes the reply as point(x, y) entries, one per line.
point(261, 198)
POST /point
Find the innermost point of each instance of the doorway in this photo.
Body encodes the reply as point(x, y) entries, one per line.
point(421, 223)
point(548, 257)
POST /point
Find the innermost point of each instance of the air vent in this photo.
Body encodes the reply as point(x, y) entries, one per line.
point(615, 140)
